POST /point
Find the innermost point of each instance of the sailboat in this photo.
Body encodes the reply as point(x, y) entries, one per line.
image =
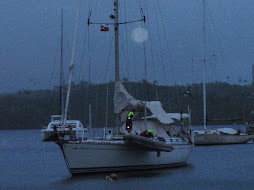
point(123, 150)
point(75, 128)
point(221, 135)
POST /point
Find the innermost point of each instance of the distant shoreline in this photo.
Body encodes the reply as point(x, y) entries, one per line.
point(226, 103)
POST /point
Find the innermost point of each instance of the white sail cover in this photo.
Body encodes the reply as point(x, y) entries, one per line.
point(123, 101)
point(156, 108)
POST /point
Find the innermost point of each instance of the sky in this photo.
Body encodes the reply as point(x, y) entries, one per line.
point(172, 52)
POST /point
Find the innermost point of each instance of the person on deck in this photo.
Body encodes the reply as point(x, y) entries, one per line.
point(128, 126)
point(147, 133)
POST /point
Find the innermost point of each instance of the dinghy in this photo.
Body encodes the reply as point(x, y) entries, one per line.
point(146, 143)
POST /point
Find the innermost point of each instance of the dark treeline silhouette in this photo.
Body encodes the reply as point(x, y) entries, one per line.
point(32, 109)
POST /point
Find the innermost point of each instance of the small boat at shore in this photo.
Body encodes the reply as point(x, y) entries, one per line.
point(74, 129)
point(221, 136)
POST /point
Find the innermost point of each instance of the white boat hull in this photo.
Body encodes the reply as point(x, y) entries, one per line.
point(220, 139)
point(85, 157)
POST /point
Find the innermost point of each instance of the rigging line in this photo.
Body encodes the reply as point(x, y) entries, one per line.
point(61, 105)
point(82, 54)
point(89, 64)
point(96, 100)
point(125, 59)
point(122, 43)
point(209, 50)
point(121, 66)
point(134, 87)
point(91, 47)
point(90, 5)
point(213, 74)
point(134, 62)
point(96, 105)
point(89, 11)
point(145, 62)
point(166, 40)
point(97, 89)
point(219, 45)
point(52, 73)
point(82, 57)
point(170, 59)
point(107, 108)
point(144, 53)
point(68, 49)
point(162, 57)
point(127, 47)
point(147, 83)
point(146, 74)
point(92, 38)
point(151, 49)
point(107, 85)
point(72, 62)
point(110, 48)
point(145, 67)
point(78, 76)
point(140, 6)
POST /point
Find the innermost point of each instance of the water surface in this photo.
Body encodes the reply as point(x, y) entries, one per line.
point(28, 163)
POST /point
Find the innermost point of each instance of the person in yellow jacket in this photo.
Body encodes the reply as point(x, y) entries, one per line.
point(147, 133)
point(128, 123)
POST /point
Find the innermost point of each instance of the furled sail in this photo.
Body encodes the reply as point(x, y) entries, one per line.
point(156, 108)
point(123, 101)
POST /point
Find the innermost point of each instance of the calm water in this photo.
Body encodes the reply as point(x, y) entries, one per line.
point(28, 163)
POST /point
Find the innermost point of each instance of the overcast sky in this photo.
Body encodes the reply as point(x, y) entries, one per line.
point(30, 41)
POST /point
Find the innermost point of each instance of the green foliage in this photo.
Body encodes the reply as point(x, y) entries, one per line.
point(32, 109)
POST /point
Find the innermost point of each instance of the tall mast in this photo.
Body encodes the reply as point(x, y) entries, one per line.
point(204, 62)
point(117, 76)
point(62, 72)
point(71, 68)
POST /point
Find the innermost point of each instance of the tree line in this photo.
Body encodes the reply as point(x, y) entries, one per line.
point(31, 109)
